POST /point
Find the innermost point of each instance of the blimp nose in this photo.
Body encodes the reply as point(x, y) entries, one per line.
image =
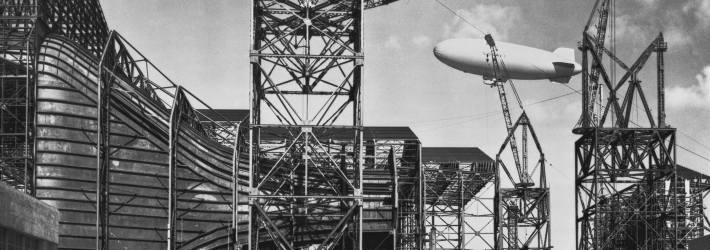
point(448, 52)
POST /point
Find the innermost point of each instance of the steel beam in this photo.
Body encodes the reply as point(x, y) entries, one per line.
point(523, 207)
point(173, 140)
point(622, 199)
point(459, 210)
point(103, 145)
point(306, 60)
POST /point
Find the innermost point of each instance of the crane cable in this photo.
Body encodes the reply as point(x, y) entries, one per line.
point(637, 125)
point(516, 92)
point(464, 19)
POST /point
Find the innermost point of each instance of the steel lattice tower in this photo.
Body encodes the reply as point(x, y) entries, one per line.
point(628, 193)
point(307, 66)
point(523, 210)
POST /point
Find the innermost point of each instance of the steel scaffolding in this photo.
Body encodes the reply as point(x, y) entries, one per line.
point(629, 194)
point(306, 188)
point(459, 186)
point(17, 97)
point(23, 26)
point(523, 204)
point(622, 198)
point(691, 188)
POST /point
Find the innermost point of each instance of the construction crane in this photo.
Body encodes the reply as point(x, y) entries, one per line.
point(594, 88)
point(499, 82)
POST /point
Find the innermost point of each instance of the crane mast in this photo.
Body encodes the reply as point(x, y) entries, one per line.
point(594, 88)
point(498, 81)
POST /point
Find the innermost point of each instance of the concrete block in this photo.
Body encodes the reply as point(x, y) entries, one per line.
point(25, 214)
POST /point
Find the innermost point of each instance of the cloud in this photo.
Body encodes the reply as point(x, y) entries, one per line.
point(697, 95)
point(422, 41)
point(648, 3)
point(626, 28)
point(491, 19)
point(702, 11)
point(676, 37)
point(393, 43)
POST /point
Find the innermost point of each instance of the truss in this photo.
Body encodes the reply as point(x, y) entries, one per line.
point(622, 198)
point(306, 189)
point(523, 211)
point(629, 192)
point(459, 205)
point(23, 26)
point(123, 82)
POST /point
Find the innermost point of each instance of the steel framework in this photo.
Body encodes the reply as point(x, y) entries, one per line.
point(621, 198)
point(521, 208)
point(18, 43)
point(691, 188)
point(23, 26)
point(119, 66)
point(525, 204)
point(628, 193)
point(458, 196)
point(300, 195)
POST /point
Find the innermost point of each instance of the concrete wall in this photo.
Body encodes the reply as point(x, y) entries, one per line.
point(25, 214)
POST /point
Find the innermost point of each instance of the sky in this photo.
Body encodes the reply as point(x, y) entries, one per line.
point(204, 46)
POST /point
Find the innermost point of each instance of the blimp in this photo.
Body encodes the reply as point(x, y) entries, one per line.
point(522, 62)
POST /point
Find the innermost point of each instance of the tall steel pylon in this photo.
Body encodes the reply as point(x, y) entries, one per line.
point(307, 70)
point(628, 191)
point(526, 204)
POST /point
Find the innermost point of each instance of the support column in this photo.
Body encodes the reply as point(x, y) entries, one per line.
point(103, 145)
point(174, 133)
point(661, 47)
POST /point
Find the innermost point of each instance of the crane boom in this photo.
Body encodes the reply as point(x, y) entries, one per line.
point(525, 179)
point(594, 90)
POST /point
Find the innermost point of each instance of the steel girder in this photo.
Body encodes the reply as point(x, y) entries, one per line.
point(690, 189)
point(301, 195)
point(80, 20)
point(103, 146)
point(407, 205)
point(593, 91)
point(628, 196)
point(523, 211)
point(459, 205)
point(621, 109)
point(369, 4)
point(123, 80)
point(623, 195)
point(308, 52)
point(391, 192)
point(17, 97)
point(23, 26)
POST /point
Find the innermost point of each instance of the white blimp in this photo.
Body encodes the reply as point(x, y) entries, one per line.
point(522, 62)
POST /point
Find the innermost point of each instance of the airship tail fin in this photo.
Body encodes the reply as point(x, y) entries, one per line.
point(565, 53)
point(563, 80)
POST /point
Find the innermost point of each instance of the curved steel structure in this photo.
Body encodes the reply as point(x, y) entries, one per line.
point(138, 182)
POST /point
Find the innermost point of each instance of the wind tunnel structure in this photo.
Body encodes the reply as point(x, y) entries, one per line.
point(134, 161)
point(140, 189)
point(131, 164)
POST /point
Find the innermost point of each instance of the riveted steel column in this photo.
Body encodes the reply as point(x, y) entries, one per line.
point(103, 145)
point(173, 140)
